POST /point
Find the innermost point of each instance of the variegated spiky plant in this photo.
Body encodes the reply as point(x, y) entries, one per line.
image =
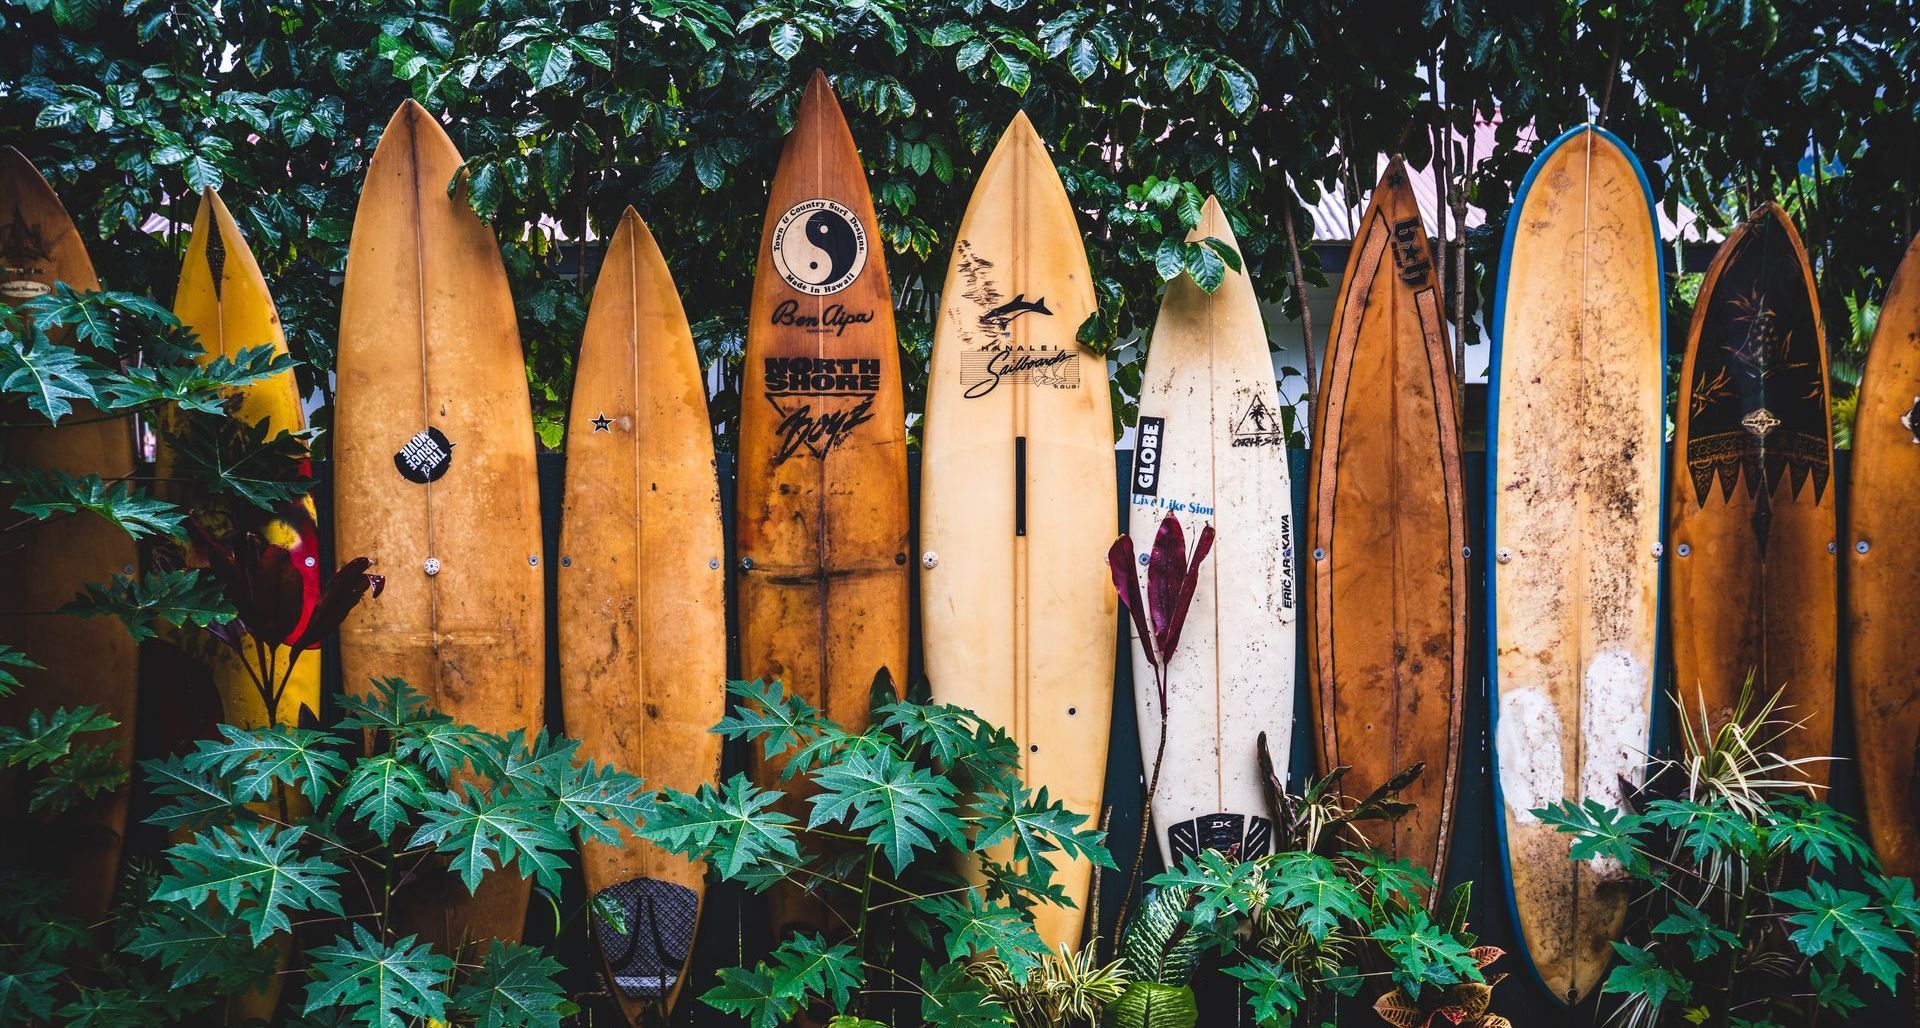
point(1066, 989)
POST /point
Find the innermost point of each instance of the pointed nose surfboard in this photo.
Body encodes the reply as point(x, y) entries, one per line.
point(643, 626)
point(1388, 562)
point(84, 661)
point(1574, 425)
point(1017, 494)
point(434, 477)
point(1213, 452)
point(822, 490)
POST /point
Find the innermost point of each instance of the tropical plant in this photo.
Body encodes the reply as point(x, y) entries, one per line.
point(1759, 905)
point(923, 790)
point(1066, 989)
point(1307, 926)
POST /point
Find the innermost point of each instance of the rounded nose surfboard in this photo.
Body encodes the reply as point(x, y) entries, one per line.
point(1755, 591)
point(1389, 562)
point(84, 662)
point(1883, 560)
point(822, 491)
point(434, 477)
point(223, 298)
point(1574, 428)
point(643, 623)
point(1213, 451)
point(1017, 497)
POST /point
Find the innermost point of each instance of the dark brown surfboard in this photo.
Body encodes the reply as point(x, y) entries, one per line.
point(1752, 515)
point(43, 564)
point(1388, 558)
point(822, 531)
point(1883, 560)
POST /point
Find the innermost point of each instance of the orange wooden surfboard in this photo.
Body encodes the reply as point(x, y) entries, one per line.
point(1752, 516)
point(822, 531)
point(86, 662)
point(1883, 560)
point(1389, 551)
point(643, 619)
point(434, 476)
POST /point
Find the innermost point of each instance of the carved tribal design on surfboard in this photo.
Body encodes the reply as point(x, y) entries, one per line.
point(1759, 405)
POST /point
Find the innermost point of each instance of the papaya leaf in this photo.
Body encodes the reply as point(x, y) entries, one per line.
point(380, 984)
point(254, 872)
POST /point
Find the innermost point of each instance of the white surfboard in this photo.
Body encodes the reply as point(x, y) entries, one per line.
point(1212, 450)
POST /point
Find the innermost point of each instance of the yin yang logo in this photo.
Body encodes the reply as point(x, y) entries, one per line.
point(819, 246)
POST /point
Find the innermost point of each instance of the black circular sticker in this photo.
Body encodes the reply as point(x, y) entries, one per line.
point(425, 457)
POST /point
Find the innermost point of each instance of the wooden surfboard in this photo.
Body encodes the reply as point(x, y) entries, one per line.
point(1212, 450)
point(434, 476)
point(1883, 560)
point(822, 529)
point(1017, 504)
point(223, 299)
point(1755, 591)
point(643, 619)
point(85, 662)
point(1574, 425)
point(1389, 550)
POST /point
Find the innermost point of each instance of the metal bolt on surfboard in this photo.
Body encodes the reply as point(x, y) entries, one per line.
point(1504, 556)
point(1685, 549)
point(714, 563)
point(746, 563)
point(1860, 547)
point(929, 560)
point(431, 566)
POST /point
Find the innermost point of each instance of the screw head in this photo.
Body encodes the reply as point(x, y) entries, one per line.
point(533, 560)
point(566, 562)
point(1143, 560)
point(1833, 547)
point(1659, 550)
point(746, 563)
point(1860, 547)
point(1466, 551)
point(714, 563)
point(309, 561)
point(1504, 555)
point(1684, 549)
point(1319, 553)
point(431, 566)
point(929, 560)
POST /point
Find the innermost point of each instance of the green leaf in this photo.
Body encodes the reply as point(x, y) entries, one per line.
point(805, 965)
point(1206, 267)
point(901, 807)
point(27, 987)
point(87, 773)
point(1423, 954)
point(47, 492)
point(195, 386)
point(973, 52)
point(1842, 922)
point(975, 927)
point(1275, 992)
point(1702, 937)
point(1318, 895)
point(483, 830)
point(250, 463)
point(49, 375)
point(393, 707)
point(257, 759)
point(1642, 975)
point(1083, 59)
point(1037, 826)
point(749, 992)
point(953, 32)
point(91, 314)
point(379, 984)
point(202, 944)
point(1816, 832)
point(1154, 1005)
point(254, 872)
point(48, 736)
point(600, 802)
point(955, 999)
point(385, 792)
point(546, 63)
point(514, 988)
point(1011, 72)
point(785, 39)
point(11, 659)
point(1221, 887)
point(1600, 832)
point(193, 797)
point(1170, 259)
point(731, 827)
point(779, 720)
point(448, 749)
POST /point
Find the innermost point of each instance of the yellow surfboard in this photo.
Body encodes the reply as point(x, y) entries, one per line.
point(223, 299)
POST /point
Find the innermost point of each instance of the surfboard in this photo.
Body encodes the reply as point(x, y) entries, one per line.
point(1574, 431)
point(84, 662)
point(1389, 535)
point(1883, 560)
point(1212, 450)
point(1755, 590)
point(1017, 493)
point(434, 478)
point(642, 598)
point(822, 486)
point(223, 298)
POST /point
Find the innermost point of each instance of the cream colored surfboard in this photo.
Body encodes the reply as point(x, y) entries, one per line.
point(1574, 476)
point(1211, 451)
point(434, 478)
point(643, 619)
point(1017, 493)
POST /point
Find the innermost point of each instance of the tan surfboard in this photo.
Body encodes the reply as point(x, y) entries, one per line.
point(822, 529)
point(86, 662)
point(1017, 493)
point(1574, 426)
point(1883, 561)
point(1755, 579)
point(1389, 554)
point(434, 476)
point(643, 620)
point(1212, 450)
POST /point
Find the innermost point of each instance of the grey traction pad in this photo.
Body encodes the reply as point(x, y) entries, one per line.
point(647, 958)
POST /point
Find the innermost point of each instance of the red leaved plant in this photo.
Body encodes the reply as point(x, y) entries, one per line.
point(1172, 576)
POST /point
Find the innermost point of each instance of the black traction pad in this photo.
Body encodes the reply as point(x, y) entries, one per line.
point(647, 958)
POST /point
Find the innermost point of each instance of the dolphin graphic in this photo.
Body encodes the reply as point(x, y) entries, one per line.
point(1014, 308)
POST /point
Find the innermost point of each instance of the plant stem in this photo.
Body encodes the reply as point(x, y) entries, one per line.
point(1146, 816)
